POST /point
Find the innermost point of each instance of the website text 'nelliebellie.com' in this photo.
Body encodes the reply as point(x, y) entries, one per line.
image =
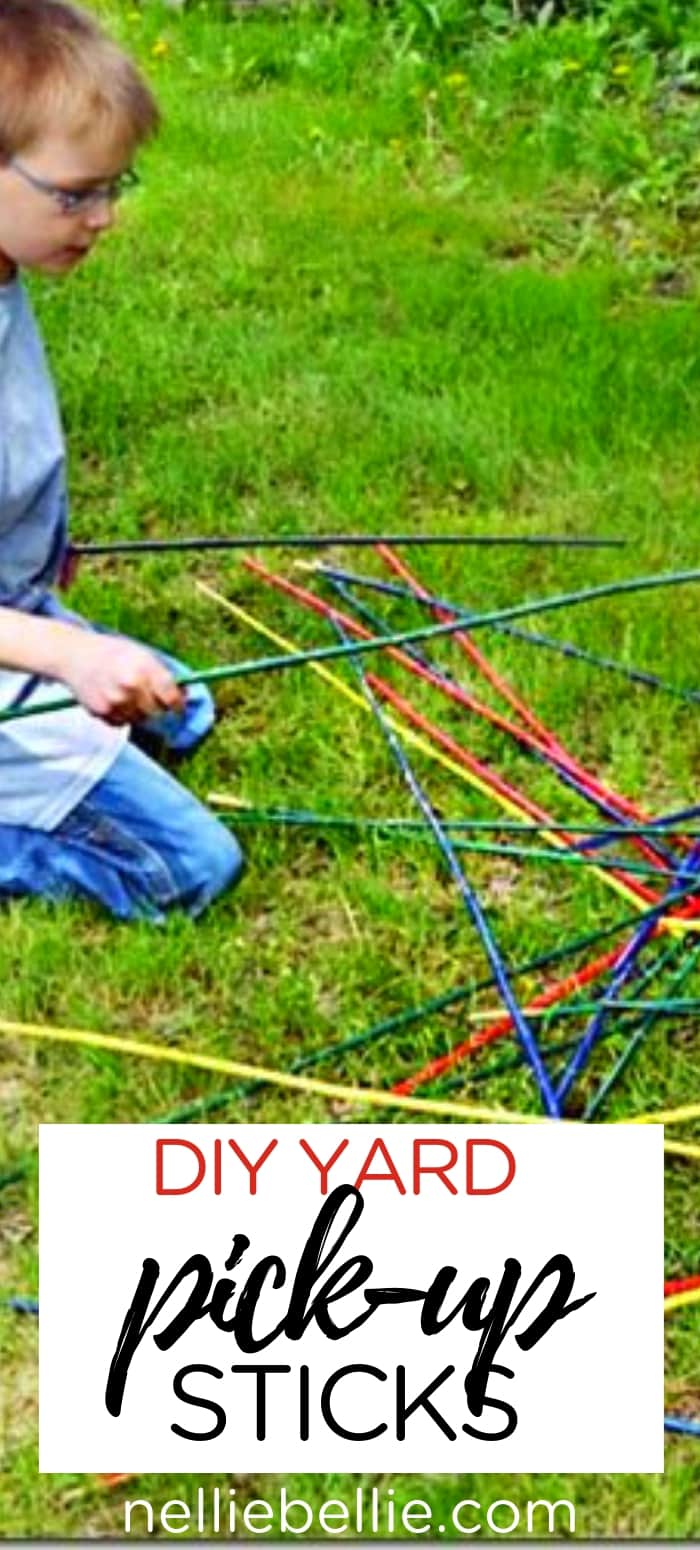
point(367, 1512)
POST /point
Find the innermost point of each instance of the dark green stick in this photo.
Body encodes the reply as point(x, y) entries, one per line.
point(404, 638)
point(202, 543)
point(399, 1021)
point(419, 831)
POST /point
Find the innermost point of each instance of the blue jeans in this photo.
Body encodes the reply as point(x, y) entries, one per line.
point(139, 843)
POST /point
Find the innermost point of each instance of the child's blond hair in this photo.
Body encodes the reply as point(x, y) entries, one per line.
point(59, 71)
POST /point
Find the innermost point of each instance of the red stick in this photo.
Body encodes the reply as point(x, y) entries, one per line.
point(477, 657)
point(553, 993)
point(547, 738)
point(549, 997)
point(689, 1284)
point(456, 751)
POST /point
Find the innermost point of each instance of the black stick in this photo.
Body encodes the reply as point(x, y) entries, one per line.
point(138, 546)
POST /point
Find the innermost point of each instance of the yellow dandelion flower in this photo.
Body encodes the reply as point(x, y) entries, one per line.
point(160, 47)
point(455, 79)
point(622, 68)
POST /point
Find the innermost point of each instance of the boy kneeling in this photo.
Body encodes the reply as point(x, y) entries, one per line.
point(83, 811)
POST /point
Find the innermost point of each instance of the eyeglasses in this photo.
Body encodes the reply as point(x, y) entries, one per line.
point(71, 201)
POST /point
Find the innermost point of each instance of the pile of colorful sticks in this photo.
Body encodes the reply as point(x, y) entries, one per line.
point(658, 879)
point(651, 863)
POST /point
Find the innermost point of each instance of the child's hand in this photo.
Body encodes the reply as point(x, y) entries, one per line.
point(118, 680)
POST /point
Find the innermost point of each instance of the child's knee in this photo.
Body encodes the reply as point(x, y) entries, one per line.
point(229, 861)
point(216, 865)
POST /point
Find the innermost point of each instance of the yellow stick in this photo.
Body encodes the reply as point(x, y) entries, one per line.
point(681, 1149)
point(374, 1097)
point(371, 1096)
point(668, 922)
point(681, 1300)
point(668, 1116)
point(352, 695)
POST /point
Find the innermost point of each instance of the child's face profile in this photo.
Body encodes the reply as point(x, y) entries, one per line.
point(41, 228)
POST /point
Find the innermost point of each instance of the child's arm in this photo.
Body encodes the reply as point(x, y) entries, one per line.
point(111, 677)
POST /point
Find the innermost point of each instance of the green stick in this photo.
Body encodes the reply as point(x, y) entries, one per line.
point(353, 648)
point(400, 1021)
point(418, 831)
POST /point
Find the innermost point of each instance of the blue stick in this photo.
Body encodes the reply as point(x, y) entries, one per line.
point(680, 1424)
point(544, 756)
point(531, 637)
point(624, 969)
point(637, 1038)
point(467, 893)
point(23, 1305)
point(678, 818)
point(667, 856)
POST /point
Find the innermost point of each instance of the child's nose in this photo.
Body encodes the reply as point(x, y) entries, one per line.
point(101, 215)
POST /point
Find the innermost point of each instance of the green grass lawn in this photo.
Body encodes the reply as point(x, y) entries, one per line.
point(364, 285)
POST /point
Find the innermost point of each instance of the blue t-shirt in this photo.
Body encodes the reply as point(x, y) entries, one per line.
point(47, 763)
